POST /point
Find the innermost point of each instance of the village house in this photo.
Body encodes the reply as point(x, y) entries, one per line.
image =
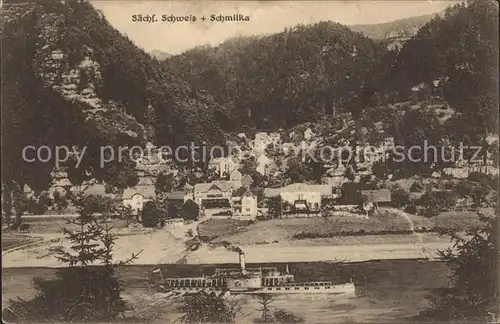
point(244, 204)
point(246, 180)
point(98, 190)
point(214, 194)
point(301, 193)
point(263, 162)
point(137, 197)
point(223, 166)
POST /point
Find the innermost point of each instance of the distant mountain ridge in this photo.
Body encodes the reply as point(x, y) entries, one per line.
point(406, 27)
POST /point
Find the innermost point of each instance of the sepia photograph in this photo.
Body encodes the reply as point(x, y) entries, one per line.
point(272, 162)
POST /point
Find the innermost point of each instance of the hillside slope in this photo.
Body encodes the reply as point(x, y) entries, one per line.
point(456, 56)
point(298, 75)
point(70, 79)
point(74, 45)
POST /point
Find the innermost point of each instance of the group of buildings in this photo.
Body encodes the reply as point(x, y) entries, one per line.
point(231, 195)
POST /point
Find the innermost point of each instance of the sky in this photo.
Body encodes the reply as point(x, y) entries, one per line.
point(266, 17)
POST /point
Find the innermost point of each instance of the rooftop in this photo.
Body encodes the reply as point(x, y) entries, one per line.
point(220, 185)
point(147, 192)
point(175, 195)
point(381, 195)
point(241, 191)
point(324, 190)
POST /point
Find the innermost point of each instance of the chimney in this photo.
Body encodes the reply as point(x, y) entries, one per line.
point(242, 262)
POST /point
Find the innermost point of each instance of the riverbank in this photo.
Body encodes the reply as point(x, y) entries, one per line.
point(162, 247)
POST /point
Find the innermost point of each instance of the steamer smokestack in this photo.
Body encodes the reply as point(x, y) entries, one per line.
point(242, 262)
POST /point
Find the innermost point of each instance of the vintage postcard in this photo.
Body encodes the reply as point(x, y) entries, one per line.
point(250, 161)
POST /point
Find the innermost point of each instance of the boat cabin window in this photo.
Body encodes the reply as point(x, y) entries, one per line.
point(306, 288)
point(287, 288)
point(297, 288)
point(327, 287)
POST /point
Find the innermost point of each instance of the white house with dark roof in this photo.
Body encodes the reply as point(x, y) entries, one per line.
point(301, 192)
point(244, 204)
point(136, 197)
point(213, 192)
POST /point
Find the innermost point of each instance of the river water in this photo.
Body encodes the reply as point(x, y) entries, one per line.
point(387, 290)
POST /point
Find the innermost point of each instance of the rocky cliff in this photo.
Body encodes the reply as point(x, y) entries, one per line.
point(72, 50)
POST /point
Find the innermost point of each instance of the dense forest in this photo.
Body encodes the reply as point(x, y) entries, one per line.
point(69, 78)
point(301, 74)
point(457, 56)
point(307, 72)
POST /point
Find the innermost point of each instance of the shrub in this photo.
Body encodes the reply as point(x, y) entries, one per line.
point(400, 198)
point(350, 194)
point(411, 209)
point(463, 189)
point(448, 186)
point(436, 201)
point(190, 210)
point(281, 316)
point(479, 177)
point(206, 307)
point(150, 215)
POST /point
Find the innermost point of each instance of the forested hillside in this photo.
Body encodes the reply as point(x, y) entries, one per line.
point(455, 56)
point(69, 78)
point(298, 75)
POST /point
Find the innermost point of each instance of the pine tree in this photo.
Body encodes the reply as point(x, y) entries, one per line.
point(88, 289)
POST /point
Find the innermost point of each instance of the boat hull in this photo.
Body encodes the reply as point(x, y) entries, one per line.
point(347, 289)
